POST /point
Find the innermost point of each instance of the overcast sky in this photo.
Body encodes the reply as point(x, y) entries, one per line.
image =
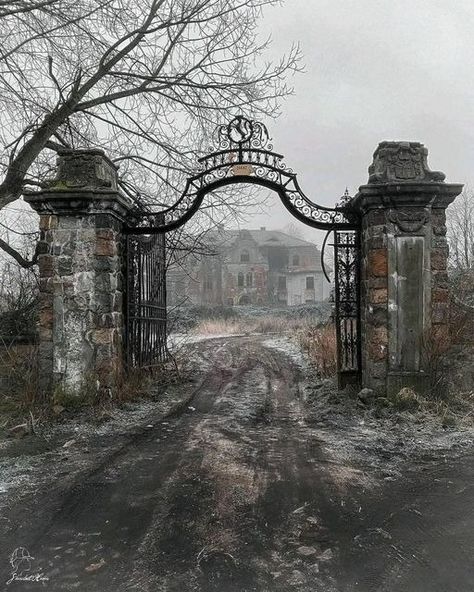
point(375, 70)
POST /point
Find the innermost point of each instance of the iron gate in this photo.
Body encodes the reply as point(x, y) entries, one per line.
point(243, 154)
point(145, 328)
point(347, 305)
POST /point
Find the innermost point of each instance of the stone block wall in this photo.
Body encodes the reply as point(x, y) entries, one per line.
point(374, 298)
point(81, 281)
point(404, 289)
point(81, 275)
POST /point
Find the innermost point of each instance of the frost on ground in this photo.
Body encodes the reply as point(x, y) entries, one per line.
point(63, 450)
point(289, 348)
point(383, 438)
point(176, 341)
point(352, 434)
point(269, 470)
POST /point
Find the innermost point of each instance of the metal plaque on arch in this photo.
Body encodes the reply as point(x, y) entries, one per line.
point(243, 153)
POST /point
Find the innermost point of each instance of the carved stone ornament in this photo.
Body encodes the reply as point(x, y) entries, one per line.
point(396, 162)
point(81, 169)
point(408, 220)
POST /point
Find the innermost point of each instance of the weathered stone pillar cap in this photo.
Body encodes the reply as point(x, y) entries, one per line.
point(399, 176)
point(86, 183)
point(400, 162)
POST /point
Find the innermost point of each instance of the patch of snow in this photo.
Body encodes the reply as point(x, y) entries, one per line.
point(178, 340)
point(289, 348)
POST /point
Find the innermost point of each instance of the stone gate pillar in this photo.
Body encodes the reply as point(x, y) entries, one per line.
point(404, 289)
point(80, 268)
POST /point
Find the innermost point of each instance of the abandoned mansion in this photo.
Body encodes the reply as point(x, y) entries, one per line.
point(250, 267)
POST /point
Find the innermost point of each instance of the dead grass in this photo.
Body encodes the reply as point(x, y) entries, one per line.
point(261, 325)
point(18, 377)
point(219, 327)
point(22, 402)
point(320, 345)
point(317, 341)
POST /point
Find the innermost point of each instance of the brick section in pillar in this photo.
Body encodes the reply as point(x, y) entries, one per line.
point(404, 264)
point(80, 267)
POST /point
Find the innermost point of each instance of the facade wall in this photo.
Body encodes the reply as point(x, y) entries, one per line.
point(299, 290)
point(245, 272)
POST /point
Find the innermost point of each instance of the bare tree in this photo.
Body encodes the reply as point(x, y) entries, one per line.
point(460, 221)
point(18, 299)
point(143, 80)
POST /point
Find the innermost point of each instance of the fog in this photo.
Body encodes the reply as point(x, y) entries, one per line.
point(373, 71)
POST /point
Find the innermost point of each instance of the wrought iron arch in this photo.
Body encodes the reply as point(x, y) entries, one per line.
point(243, 153)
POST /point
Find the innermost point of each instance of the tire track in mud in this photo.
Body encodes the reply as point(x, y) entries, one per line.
point(242, 493)
point(182, 508)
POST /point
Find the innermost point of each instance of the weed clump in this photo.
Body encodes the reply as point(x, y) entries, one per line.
point(406, 400)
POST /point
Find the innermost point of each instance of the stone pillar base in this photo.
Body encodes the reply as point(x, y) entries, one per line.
point(80, 266)
point(404, 265)
point(418, 381)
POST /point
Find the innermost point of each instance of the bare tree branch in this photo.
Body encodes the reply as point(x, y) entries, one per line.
point(144, 81)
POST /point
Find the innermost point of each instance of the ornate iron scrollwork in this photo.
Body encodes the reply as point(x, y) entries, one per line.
point(241, 131)
point(243, 153)
point(346, 257)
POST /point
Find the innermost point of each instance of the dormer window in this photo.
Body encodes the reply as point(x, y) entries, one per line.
point(244, 256)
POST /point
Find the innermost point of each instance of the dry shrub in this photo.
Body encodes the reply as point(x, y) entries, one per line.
point(18, 378)
point(136, 384)
point(461, 323)
point(439, 344)
point(265, 325)
point(321, 346)
point(218, 327)
point(406, 400)
point(436, 342)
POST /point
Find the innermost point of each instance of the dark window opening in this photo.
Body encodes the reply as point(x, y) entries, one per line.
point(244, 257)
point(296, 260)
point(310, 283)
point(282, 282)
point(240, 280)
point(249, 280)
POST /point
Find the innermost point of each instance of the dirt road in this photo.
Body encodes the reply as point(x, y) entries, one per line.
point(249, 490)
